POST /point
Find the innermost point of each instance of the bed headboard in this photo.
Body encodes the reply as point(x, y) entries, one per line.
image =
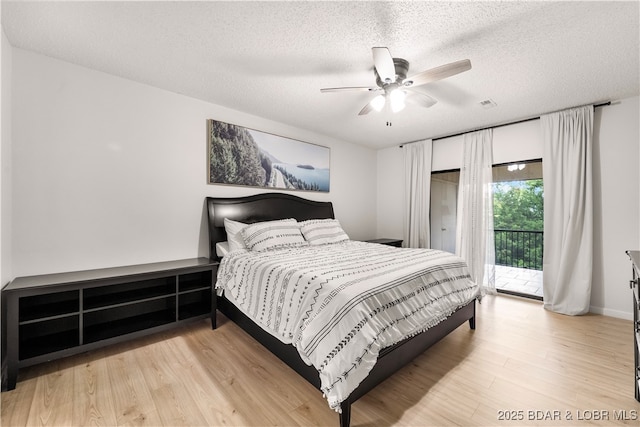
point(259, 207)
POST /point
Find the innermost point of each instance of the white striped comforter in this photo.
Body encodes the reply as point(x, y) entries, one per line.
point(340, 304)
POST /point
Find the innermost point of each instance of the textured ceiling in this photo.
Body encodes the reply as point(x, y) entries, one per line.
point(270, 59)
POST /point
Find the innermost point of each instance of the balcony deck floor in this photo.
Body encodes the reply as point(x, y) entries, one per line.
point(519, 280)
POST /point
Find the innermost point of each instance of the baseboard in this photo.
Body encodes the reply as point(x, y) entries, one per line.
point(626, 315)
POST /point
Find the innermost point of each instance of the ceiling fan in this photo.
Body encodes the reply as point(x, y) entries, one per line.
point(393, 85)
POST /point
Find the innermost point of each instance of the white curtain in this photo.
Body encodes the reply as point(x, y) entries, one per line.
point(568, 210)
point(417, 193)
point(474, 231)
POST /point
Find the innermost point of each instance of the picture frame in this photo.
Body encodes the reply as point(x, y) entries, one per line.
point(247, 157)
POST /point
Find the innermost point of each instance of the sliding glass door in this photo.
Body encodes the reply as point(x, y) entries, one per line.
point(518, 200)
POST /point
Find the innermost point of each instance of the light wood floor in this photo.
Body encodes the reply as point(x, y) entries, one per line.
point(520, 359)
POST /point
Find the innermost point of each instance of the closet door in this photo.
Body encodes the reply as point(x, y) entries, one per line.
point(444, 196)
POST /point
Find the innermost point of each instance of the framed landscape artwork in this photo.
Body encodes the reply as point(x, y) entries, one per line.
point(241, 156)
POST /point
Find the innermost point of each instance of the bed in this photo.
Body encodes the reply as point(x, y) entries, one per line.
point(277, 206)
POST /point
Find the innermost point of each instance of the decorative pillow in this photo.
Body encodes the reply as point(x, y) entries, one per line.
point(263, 236)
point(234, 235)
point(322, 231)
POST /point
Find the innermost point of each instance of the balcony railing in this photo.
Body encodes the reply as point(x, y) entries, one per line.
point(519, 248)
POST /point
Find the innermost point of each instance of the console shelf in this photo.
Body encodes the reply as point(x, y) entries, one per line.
point(56, 315)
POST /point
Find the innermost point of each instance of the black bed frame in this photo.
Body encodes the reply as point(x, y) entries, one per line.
point(270, 206)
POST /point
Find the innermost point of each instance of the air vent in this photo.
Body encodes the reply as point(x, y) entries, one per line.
point(488, 103)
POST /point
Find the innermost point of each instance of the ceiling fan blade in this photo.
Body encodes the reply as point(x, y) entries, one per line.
point(420, 99)
point(438, 73)
point(366, 110)
point(383, 62)
point(349, 89)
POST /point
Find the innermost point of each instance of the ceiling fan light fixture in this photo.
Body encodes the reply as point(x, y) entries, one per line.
point(397, 98)
point(391, 78)
point(377, 103)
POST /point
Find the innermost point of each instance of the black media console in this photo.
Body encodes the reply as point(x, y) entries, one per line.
point(51, 316)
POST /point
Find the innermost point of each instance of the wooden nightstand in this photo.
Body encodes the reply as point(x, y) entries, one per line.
point(388, 242)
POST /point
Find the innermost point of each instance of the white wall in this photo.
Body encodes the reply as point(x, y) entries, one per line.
point(5, 160)
point(616, 186)
point(511, 143)
point(616, 205)
point(111, 172)
point(390, 186)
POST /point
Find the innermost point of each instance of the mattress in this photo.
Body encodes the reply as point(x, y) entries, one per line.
point(340, 304)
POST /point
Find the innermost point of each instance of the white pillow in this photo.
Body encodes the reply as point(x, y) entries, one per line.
point(222, 248)
point(234, 235)
point(322, 231)
point(264, 236)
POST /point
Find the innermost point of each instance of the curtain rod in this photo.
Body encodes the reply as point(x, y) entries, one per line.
point(604, 104)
